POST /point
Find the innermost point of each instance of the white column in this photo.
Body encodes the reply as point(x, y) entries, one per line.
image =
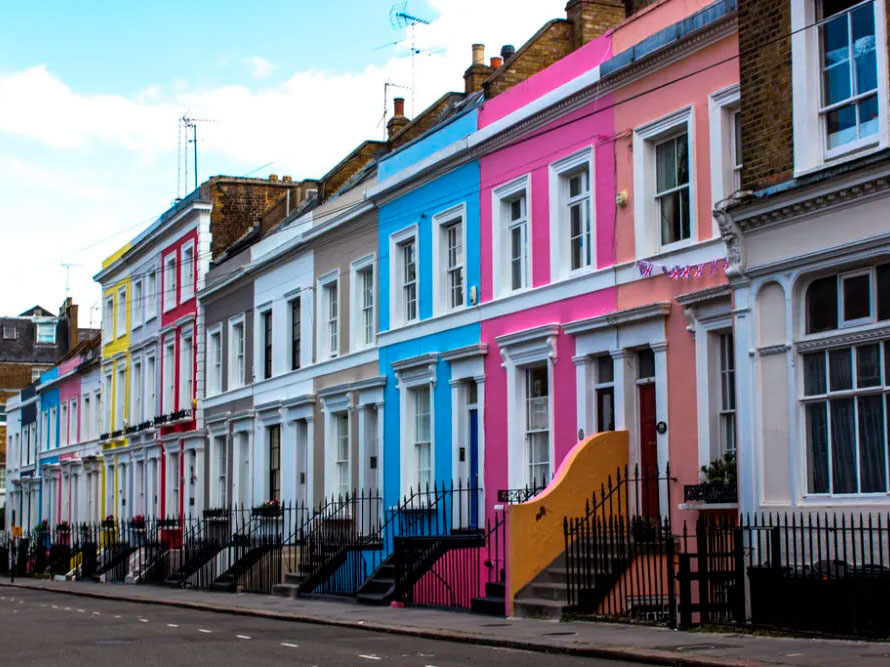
point(362, 448)
point(624, 391)
point(748, 446)
point(585, 425)
point(380, 448)
point(310, 460)
point(457, 468)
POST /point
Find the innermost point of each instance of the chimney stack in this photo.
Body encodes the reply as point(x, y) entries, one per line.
point(398, 120)
point(496, 62)
point(478, 71)
point(273, 178)
point(592, 18)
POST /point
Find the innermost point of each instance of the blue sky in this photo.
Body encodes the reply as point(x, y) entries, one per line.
point(91, 93)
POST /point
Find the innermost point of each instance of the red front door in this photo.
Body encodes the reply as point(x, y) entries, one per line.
point(648, 450)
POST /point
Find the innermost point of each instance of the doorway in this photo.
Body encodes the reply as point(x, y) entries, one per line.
point(648, 433)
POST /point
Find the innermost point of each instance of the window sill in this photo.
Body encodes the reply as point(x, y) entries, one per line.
point(841, 156)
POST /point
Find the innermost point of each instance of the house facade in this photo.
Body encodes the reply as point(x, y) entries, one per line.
point(808, 251)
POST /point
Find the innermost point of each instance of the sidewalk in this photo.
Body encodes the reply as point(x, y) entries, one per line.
point(603, 640)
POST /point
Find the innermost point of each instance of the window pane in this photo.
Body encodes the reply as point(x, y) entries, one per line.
point(836, 82)
point(605, 371)
point(817, 449)
point(665, 166)
point(862, 24)
point(868, 116)
point(682, 144)
point(871, 444)
point(882, 274)
point(822, 305)
point(840, 371)
point(841, 126)
point(646, 364)
point(868, 365)
point(843, 446)
point(857, 297)
point(605, 401)
point(814, 374)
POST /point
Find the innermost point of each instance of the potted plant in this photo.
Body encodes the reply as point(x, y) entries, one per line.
point(138, 522)
point(720, 480)
point(270, 508)
point(108, 522)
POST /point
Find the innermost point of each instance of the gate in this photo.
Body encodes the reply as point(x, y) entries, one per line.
point(711, 578)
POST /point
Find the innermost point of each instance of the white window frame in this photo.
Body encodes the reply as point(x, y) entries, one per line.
point(357, 333)
point(237, 353)
point(214, 360)
point(341, 488)
point(810, 149)
point(412, 374)
point(108, 318)
point(560, 226)
point(186, 369)
point(120, 396)
point(169, 373)
point(520, 351)
point(840, 276)
point(297, 298)
point(150, 401)
point(52, 329)
point(121, 312)
point(137, 304)
point(187, 272)
point(329, 321)
point(422, 481)
point(137, 395)
point(397, 305)
point(442, 221)
point(260, 343)
point(63, 424)
point(500, 242)
point(151, 295)
point(722, 107)
point(647, 224)
point(73, 421)
point(171, 281)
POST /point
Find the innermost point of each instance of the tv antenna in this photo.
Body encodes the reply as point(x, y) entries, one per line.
point(386, 87)
point(187, 125)
point(399, 19)
point(68, 266)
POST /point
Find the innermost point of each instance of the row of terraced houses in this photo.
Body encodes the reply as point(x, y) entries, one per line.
point(654, 238)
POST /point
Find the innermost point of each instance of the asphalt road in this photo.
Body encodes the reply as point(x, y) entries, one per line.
point(39, 628)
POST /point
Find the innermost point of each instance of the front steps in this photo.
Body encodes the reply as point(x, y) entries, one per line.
point(546, 596)
point(495, 601)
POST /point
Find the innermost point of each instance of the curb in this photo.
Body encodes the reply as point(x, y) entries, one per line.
point(622, 653)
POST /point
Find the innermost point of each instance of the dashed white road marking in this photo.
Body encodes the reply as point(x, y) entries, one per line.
point(55, 606)
point(243, 636)
point(205, 631)
point(289, 645)
point(369, 657)
point(67, 608)
point(117, 615)
point(96, 613)
point(143, 620)
point(172, 625)
point(81, 611)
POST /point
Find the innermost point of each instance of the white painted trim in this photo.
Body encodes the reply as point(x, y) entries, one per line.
point(396, 302)
point(356, 303)
point(500, 269)
point(721, 105)
point(560, 249)
point(647, 232)
point(442, 219)
point(329, 280)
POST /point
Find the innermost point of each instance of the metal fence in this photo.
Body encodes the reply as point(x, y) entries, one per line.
point(819, 573)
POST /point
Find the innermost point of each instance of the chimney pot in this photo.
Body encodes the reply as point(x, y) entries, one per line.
point(286, 179)
point(478, 54)
point(507, 50)
point(398, 106)
point(273, 178)
point(496, 62)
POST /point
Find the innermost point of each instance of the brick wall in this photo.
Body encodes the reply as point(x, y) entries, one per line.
point(552, 42)
point(591, 18)
point(765, 82)
point(424, 120)
point(332, 181)
point(14, 376)
point(765, 79)
point(239, 203)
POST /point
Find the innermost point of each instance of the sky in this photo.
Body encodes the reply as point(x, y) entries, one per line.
point(91, 93)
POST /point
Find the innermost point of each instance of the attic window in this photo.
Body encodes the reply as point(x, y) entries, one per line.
point(46, 334)
point(10, 333)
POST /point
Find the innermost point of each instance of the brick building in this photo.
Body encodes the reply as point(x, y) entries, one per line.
point(809, 246)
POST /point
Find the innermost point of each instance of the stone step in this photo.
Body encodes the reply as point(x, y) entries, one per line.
point(546, 591)
point(286, 590)
point(489, 606)
point(538, 608)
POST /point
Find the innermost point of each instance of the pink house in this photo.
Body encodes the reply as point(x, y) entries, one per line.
point(605, 272)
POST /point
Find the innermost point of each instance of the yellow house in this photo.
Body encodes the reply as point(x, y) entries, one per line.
point(116, 313)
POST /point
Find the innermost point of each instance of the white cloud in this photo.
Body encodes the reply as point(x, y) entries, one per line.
point(260, 68)
point(123, 147)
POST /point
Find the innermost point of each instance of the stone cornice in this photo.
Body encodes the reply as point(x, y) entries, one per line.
point(843, 338)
